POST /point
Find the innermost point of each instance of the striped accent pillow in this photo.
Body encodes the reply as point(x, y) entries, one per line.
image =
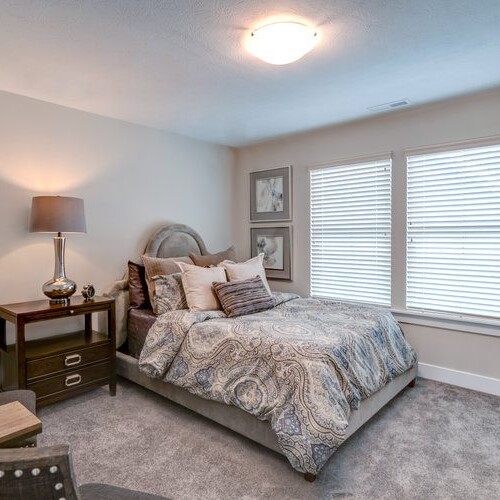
point(243, 297)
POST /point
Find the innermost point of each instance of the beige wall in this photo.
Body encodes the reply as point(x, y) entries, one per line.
point(464, 351)
point(132, 179)
point(455, 120)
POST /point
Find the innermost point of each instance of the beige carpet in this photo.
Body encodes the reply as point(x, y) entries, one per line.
point(433, 442)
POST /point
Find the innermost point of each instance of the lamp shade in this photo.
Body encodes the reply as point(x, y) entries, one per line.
point(57, 214)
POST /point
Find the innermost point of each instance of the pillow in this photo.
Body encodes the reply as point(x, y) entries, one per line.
point(169, 294)
point(214, 258)
point(197, 282)
point(118, 291)
point(243, 297)
point(246, 270)
point(137, 287)
point(156, 266)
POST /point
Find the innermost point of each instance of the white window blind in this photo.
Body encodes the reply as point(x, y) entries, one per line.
point(453, 253)
point(351, 232)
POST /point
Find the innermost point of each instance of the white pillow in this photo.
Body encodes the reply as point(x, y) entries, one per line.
point(246, 270)
point(197, 283)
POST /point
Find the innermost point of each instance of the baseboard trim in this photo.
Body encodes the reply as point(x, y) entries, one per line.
point(467, 380)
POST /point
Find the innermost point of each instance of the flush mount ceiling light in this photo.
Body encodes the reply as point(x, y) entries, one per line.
point(282, 43)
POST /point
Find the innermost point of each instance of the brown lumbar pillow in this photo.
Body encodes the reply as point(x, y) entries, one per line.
point(243, 297)
point(137, 287)
point(214, 258)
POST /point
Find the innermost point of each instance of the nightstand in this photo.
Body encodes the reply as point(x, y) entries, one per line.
point(58, 367)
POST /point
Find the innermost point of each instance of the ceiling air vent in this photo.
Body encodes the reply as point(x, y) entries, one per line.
point(390, 105)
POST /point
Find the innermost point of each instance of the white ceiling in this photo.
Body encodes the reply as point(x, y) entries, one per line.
point(180, 65)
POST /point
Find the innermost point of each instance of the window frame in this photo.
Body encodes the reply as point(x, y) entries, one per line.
point(443, 319)
point(439, 320)
point(344, 162)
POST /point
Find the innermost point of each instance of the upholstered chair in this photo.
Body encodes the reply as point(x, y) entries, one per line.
point(47, 473)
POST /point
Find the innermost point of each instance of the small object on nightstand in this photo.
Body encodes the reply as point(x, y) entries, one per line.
point(88, 292)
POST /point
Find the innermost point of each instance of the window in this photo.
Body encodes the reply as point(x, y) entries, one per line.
point(351, 232)
point(453, 248)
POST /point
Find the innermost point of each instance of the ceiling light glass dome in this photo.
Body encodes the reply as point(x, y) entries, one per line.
point(282, 43)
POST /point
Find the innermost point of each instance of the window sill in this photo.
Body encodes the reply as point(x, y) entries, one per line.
point(442, 321)
point(479, 326)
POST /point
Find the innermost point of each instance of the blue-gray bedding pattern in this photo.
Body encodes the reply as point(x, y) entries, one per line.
point(301, 365)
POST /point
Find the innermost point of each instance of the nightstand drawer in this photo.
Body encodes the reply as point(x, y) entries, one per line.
point(71, 380)
point(48, 315)
point(67, 361)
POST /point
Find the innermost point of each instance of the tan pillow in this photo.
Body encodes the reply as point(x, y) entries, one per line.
point(156, 266)
point(197, 283)
point(214, 258)
point(246, 270)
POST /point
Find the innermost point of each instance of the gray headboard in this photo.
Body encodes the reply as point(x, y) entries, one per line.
point(175, 240)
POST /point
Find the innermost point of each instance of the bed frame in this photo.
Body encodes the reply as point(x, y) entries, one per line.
point(177, 241)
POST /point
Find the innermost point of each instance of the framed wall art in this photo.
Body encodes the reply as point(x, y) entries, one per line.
point(276, 245)
point(270, 195)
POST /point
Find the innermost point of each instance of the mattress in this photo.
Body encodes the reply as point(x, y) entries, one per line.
point(139, 323)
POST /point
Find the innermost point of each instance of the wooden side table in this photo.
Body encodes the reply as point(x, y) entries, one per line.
point(58, 367)
point(16, 424)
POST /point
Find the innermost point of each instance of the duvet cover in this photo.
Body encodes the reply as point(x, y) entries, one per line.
point(302, 365)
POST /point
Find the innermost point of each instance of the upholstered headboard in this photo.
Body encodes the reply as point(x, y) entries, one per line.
point(175, 240)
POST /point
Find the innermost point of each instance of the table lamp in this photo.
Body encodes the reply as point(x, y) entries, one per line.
point(58, 214)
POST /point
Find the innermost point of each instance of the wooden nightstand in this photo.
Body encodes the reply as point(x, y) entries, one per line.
point(60, 366)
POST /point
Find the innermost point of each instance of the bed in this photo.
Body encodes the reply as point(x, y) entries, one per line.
point(178, 241)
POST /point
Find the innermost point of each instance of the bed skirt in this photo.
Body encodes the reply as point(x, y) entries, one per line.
point(242, 422)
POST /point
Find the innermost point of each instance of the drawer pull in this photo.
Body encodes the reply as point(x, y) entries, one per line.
point(72, 380)
point(73, 359)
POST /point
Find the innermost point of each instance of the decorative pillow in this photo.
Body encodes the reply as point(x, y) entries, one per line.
point(197, 282)
point(169, 294)
point(245, 270)
point(137, 287)
point(214, 258)
point(243, 297)
point(118, 291)
point(156, 266)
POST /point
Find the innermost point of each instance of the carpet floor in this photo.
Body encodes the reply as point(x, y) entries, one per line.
point(434, 441)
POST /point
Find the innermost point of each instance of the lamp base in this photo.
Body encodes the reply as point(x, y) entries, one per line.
point(59, 301)
point(59, 290)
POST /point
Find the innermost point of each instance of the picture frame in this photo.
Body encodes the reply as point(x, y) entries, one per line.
point(271, 195)
point(276, 245)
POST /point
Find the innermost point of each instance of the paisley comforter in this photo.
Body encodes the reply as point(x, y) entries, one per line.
point(301, 365)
